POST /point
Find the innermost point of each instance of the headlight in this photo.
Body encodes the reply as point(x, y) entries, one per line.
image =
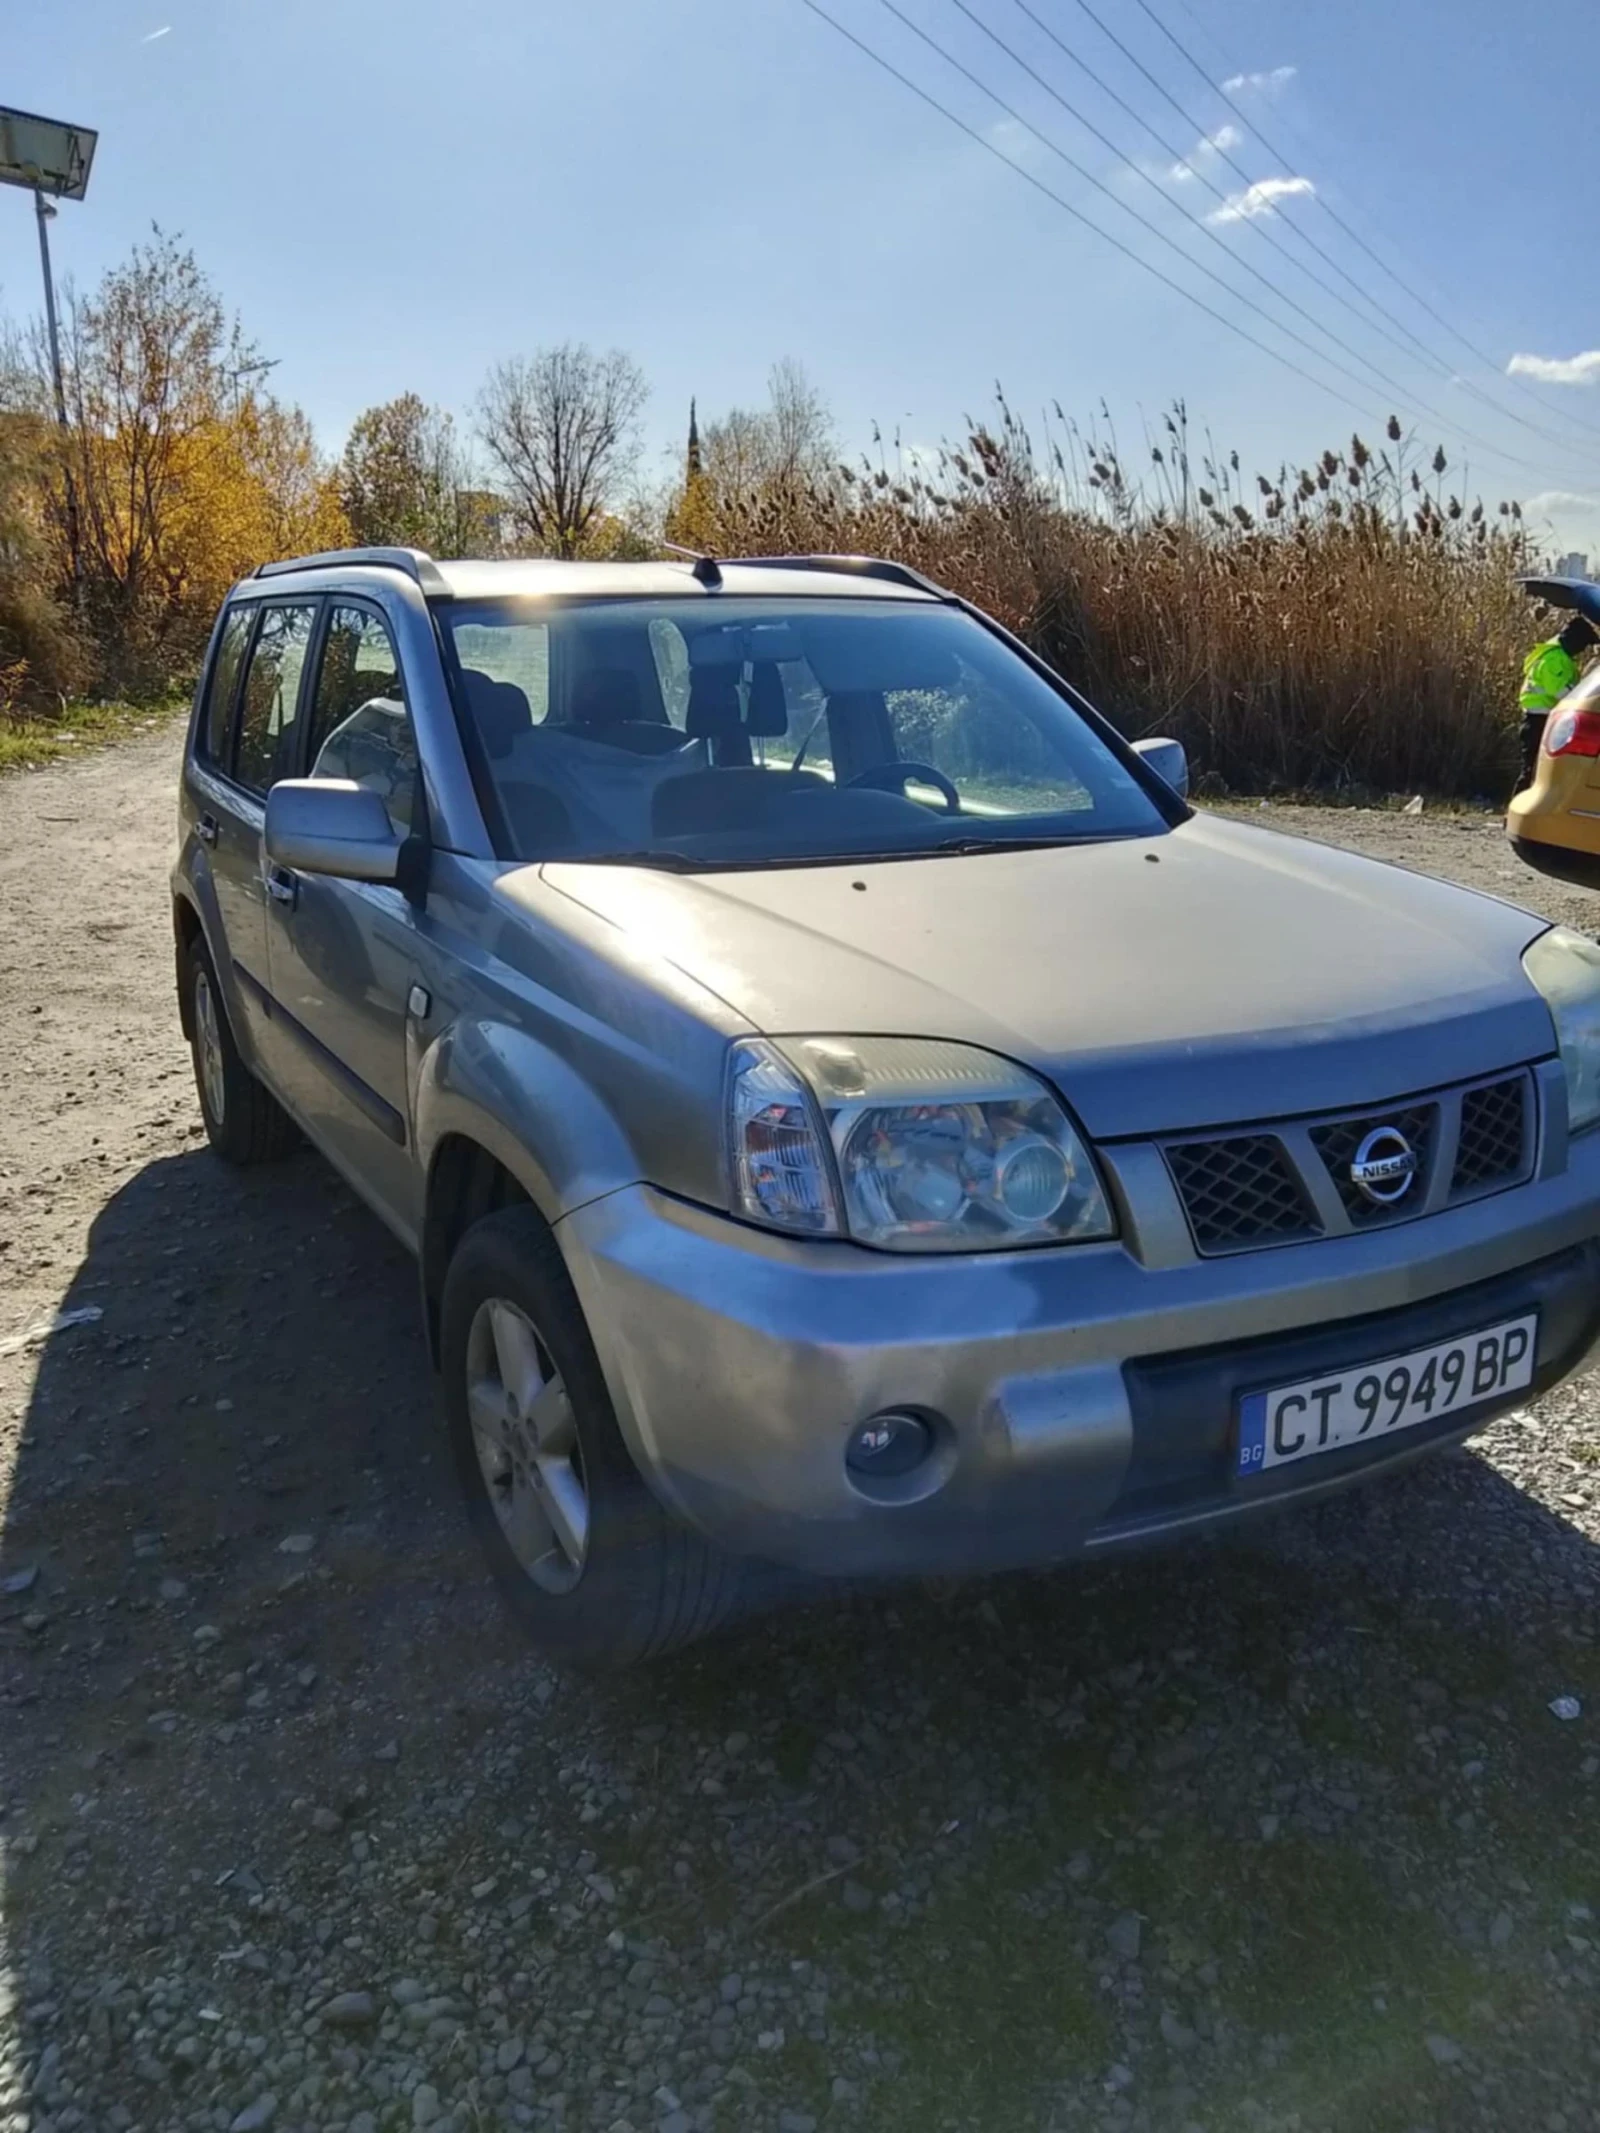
point(1565, 966)
point(909, 1144)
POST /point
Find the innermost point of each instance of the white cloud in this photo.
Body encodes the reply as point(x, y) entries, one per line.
point(1261, 199)
point(1562, 500)
point(1267, 83)
point(1213, 144)
point(1568, 518)
point(1558, 370)
point(164, 31)
point(1014, 141)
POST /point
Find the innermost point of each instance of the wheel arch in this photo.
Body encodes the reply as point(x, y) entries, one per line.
point(466, 1181)
point(496, 1112)
point(186, 931)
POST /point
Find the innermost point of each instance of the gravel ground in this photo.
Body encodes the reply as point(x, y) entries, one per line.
point(1277, 1833)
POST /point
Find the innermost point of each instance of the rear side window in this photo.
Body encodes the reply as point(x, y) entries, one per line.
point(216, 727)
point(360, 726)
point(272, 695)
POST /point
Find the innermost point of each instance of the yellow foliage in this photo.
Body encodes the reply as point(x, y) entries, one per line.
point(692, 520)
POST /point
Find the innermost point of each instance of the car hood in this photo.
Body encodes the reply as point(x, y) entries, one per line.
point(1216, 974)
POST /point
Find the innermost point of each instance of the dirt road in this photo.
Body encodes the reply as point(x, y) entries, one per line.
point(1279, 1833)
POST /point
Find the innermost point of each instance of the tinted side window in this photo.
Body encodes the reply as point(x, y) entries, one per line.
point(271, 694)
point(223, 687)
point(360, 727)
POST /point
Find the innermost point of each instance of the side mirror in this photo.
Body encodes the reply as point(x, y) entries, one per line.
point(1169, 762)
point(331, 826)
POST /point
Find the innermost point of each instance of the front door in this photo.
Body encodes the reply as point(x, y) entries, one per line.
point(247, 741)
point(343, 954)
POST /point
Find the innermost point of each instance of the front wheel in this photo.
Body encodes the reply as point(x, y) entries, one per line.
point(586, 1559)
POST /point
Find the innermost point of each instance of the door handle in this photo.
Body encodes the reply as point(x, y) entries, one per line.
point(206, 829)
point(282, 887)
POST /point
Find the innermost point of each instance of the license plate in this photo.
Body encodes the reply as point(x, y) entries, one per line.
point(1380, 1399)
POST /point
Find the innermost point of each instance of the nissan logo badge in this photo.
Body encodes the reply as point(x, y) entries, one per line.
point(1384, 1166)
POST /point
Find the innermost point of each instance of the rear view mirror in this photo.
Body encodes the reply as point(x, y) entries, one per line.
point(868, 653)
point(730, 645)
point(331, 826)
point(1169, 762)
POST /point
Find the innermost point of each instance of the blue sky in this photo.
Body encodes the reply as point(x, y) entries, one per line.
point(395, 194)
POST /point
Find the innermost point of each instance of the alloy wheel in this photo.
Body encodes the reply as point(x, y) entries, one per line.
point(526, 1440)
point(208, 1043)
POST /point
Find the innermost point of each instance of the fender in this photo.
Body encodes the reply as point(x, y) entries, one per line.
point(499, 1086)
point(192, 885)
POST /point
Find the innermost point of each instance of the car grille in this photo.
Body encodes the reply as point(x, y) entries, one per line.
point(1247, 1190)
point(1240, 1193)
point(1337, 1145)
point(1493, 1135)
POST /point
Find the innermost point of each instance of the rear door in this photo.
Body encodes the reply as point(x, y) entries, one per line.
point(246, 742)
point(343, 955)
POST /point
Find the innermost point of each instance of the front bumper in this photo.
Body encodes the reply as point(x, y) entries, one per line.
point(1083, 1399)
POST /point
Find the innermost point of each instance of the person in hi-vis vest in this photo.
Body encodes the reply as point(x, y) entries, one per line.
point(1548, 672)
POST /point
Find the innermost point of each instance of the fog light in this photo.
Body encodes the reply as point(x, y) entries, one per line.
point(891, 1443)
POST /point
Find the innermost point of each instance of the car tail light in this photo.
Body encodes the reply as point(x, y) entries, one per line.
point(1573, 733)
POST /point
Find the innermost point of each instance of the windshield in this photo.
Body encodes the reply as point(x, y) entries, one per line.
point(738, 732)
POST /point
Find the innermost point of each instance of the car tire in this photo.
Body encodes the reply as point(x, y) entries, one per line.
point(243, 1122)
point(589, 1564)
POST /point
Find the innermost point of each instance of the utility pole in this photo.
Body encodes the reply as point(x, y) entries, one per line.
point(52, 160)
point(249, 370)
point(46, 215)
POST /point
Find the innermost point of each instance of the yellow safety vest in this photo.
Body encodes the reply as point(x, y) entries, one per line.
point(1548, 673)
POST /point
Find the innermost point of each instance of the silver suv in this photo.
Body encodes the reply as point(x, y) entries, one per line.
point(849, 1112)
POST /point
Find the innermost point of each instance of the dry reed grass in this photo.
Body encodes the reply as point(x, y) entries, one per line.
point(1352, 627)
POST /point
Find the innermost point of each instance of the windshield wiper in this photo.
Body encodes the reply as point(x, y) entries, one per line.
point(753, 862)
point(964, 845)
point(663, 862)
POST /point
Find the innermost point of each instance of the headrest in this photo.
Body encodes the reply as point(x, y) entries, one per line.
point(713, 711)
point(767, 712)
point(500, 710)
point(607, 696)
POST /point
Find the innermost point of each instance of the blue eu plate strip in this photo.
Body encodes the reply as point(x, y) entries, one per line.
point(1252, 1433)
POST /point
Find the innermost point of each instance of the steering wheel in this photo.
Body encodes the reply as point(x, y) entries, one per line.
point(894, 777)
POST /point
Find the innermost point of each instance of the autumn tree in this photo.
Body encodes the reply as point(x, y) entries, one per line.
point(41, 657)
point(561, 429)
point(752, 463)
point(181, 484)
point(404, 481)
point(784, 445)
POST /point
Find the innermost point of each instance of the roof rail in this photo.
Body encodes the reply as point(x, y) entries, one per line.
point(415, 562)
point(851, 566)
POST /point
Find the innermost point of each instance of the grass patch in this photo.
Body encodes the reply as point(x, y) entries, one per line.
point(26, 744)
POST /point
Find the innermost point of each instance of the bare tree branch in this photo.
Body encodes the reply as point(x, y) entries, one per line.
point(561, 426)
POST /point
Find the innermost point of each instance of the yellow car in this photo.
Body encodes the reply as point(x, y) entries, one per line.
point(1554, 823)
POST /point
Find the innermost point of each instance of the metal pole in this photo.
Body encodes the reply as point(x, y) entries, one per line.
point(43, 213)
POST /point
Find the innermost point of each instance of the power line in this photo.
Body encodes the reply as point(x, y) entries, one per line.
point(972, 133)
point(1201, 226)
point(1404, 396)
point(1402, 338)
point(1220, 318)
point(1353, 234)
